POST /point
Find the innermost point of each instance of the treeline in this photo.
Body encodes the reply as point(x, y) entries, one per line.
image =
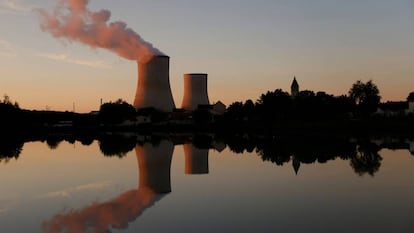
point(362, 154)
point(280, 105)
point(289, 149)
point(309, 110)
point(272, 111)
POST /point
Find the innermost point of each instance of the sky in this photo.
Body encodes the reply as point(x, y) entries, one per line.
point(246, 47)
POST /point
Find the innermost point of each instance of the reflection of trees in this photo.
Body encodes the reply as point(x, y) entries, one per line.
point(116, 145)
point(10, 149)
point(366, 159)
point(297, 149)
point(304, 149)
point(86, 140)
point(53, 143)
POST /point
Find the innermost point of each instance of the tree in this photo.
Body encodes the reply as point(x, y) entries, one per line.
point(410, 97)
point(366, 96)
point(275, 105)
point(7, 101)
point(116, 112)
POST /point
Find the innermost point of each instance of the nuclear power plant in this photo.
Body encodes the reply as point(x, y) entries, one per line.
point(195, 91)
point(153, 89)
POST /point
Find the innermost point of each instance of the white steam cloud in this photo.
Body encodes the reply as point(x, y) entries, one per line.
point(73, 21)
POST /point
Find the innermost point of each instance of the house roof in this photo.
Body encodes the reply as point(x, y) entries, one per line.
point(394, 106)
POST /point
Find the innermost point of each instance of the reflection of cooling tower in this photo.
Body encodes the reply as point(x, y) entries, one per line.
point(154, 162)
point(195, 91)
point(196, 160)
point(153, 88)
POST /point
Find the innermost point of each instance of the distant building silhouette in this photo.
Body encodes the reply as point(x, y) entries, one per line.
point(296, 164)
point(294, 88)
point(410, 105)
point(392, 108)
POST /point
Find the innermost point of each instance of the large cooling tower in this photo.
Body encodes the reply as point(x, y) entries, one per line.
point(153, 88)
point(195, 91)
point(154, 162)
point(196, 160)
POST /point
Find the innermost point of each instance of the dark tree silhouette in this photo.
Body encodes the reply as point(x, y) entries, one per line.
point(116, 145)
point(8, 101)
point(10, 113)
point(10, 149)
point(202, 117)
point(275, 105)
point(366, 96)
point(366, 160)
point(410, 96)
point(116, 112)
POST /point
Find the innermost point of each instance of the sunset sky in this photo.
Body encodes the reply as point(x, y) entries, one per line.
point(247, 48)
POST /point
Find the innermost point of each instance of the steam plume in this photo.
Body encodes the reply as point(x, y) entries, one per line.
point(101, 217)
point(72, 20)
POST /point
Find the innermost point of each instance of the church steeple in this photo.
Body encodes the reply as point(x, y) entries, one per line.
point(294, 88)
point(295, 164)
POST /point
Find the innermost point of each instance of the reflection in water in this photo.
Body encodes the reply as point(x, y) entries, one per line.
point(10, 149)
point(296, 164)
point(362, 154)
point(196, 160)
point(116, 145)
point(154, 157)
point(154, 162)
point(100, 217)
point(366, 159)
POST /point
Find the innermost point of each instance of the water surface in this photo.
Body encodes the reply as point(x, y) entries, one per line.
point(169, 187)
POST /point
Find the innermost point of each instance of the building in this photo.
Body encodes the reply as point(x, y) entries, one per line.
point(195, 91)
point(153, 89)
point(392, 108)
point(410, 107)
point(294, 88)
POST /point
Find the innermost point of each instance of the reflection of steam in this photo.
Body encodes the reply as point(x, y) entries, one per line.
point(3, 210)
point(154, 180)
point(8, 202)
point(100, 217)
point(71, 19)
point(70, 191)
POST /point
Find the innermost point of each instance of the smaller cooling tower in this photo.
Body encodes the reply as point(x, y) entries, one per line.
point(153, 90)
point(196, 160)
point(195, 91)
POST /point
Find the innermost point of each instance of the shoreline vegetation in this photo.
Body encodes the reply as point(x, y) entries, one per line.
point(275, 112)
point(303, 127)
point(362, 151)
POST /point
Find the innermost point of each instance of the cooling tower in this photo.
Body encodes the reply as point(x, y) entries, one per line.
point(153, 88)
point(196, 160)
point(195, 91)
point(154, 162)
